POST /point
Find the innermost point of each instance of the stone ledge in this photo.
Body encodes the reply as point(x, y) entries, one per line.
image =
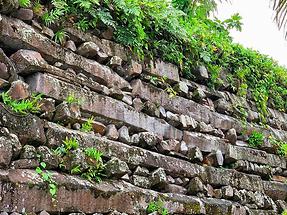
point(102, 105)
point(16, 34)
point(173, 166)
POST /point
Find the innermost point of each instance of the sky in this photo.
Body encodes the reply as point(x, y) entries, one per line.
point(259, 31)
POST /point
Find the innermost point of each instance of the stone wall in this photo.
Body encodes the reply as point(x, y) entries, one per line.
point(189, 150)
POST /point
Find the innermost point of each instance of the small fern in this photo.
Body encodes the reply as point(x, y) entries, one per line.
point(24, 3)
point(60, 36)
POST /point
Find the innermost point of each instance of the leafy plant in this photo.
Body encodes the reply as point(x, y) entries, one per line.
point(68, 145)
point(284, 212)
point(72, 99)
point(163, 82)
point(256, 139)
point(157, 206)
point(96, 166)
point(88, 125)
point(47, 177)
point(24, 106)
point(280, 146)
point(24, 3)
point(60, 36)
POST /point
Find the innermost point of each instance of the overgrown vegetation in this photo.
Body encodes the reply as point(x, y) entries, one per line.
point(181, 32)
point(157, 206)
point(72, 99)
point(91, 168)
point(162, 81)
point(256, 139)
point(280, 146)
point(88, 125)
point(24, 106)
point(47, 178)
point(284, 212)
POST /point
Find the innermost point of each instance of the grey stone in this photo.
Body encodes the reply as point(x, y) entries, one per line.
point(48, 157)
point(198, 95)
point(182, 88)
point(124, 134)
point(48, 32)
point(138, 104)
point(71, 45)
point(116, 93)
point(128, 99)
point(168, 146)
point(222, 106)
point(162, 112)
point(28, 152)
point(112, 132)
point(88, 49)
point(194, 154)
point(151, 109)
point(231, 136)
point(172, 188)
point(148, 139)
point(227, 192)
point(201, 74)
point(214, 158)
point(195, 186)
point(158, 177)
point(142, 171)
point(133, 69)
point(6, 152)
point(4, 73)
point(141, 181)
point(24, 14)
point(116, 168)
point(44, 213)
point(67, 112)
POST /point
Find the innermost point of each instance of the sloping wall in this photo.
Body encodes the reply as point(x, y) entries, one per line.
point(163, 139)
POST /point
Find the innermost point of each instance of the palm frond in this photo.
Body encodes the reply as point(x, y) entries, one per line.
point(280, 8)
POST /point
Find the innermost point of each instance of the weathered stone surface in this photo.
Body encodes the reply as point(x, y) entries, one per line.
point(201, 74)
point(88, 49)
point(115, 61)
point(124, 134)
point(25, 164)
point(29, 129)
point(205, 142)
point(26, 37)
point(112, 132)
point(168, 146)
point(71, 45)
point(122, 197)
point(222, 106)
point(133, 69)
point(108, 47)
point(142, 171)
point(160, 68)
point(227, 192)
point(130, 154)
point(214, 158)
point(158, 177)
point(67, 112)
point(195, 186)
point(27, 61)
point(6, 152)
point(19, 90)
point(172, 188)
point(28, 152)
point(24, 14)
point(195, 154)
point(4, 73)
point(48, 157)
point(116, 168)
point(141, 181)
point(8, 6)
point(102, 105)
point(148, 139)
point(182, 88)
point(275, 190)
point(231, 136)
point(253, 155)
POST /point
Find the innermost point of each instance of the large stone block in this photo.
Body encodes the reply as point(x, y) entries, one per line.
point(102, 105)
point(17, 34)
point(129, 154)
point(29, 129)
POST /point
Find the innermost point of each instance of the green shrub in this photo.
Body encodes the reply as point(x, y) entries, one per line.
point(181, 32)
point(88, 125)
point(281, 146)
point(157, 206)
point(256, 139)
point(24, 3)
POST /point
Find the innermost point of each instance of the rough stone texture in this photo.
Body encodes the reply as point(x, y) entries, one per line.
point(88, 49)
point(116, 168)
point(160, 68)
point(26, 37)
point(123, 197)
point(24, 14)
point(19, 90)
point(29, 129)
point(102, 105)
